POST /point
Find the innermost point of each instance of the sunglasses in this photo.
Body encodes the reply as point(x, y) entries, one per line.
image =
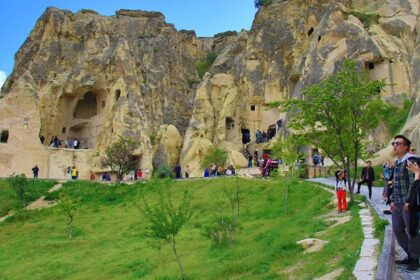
point(397, 143)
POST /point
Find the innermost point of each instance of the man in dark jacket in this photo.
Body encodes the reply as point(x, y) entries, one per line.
point(35, 171)
point(368, 176)
point(177, 170)
point(403, 220)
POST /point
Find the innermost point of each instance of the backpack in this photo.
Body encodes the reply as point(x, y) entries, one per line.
point(316, 159)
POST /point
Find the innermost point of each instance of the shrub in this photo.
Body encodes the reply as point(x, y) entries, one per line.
point(163, 171)
point(366, 18)
point(216, 156)
point(203, 66)
point(395, 117)
point(20, 184)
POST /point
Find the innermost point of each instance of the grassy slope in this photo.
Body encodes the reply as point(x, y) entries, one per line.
point(108, 243)
point(9, 199)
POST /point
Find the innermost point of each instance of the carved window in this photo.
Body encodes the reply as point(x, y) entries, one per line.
point(252, 107)
point(4, 136)
point(311, 30)
point(117, 94)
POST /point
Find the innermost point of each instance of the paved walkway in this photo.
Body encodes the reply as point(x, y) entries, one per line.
point(379, 206)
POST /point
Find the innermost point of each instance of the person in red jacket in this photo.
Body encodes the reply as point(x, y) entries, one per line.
point(340, 189)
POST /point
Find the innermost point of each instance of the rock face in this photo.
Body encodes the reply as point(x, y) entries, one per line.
point(94, 78)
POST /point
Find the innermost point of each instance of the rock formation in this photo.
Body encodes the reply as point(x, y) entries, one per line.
point(86, 76)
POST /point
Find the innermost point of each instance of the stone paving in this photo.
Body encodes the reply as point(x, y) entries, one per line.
point(379, 207)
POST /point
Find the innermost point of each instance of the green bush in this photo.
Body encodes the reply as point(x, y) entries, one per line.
point(163, 171)
point(216, 156)
point(395, 117)
point(366, 18)
point(203, 66)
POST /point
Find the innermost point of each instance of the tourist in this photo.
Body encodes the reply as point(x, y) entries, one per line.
point(206, 173)
point(258, 136)
point(69, 173)
point(403, 182)
point(256, 161)
point(413, 201)
point(249, 161)
point(315, 159)
point(279, 124)
point(340, 189)
point(35, 171)
point(187, 172)
point(213, 170)
point(220, 171)
point(74, 173)
point(387, 173)
point(232, 169)
point(76, 144)
point(177, 171)
point(321, 159)
point(367, 177)
point(268, 166)
point(139, 173)
point(92, 176)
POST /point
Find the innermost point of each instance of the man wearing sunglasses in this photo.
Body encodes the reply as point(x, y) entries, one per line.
point(402, 214)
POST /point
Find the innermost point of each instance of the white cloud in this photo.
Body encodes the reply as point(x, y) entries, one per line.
point(3, 77)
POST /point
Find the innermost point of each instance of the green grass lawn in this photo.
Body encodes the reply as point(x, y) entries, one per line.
point(109, 240)
point(9, 199)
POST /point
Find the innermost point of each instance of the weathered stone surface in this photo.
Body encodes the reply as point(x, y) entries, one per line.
point(311, 245)
point(95, 78)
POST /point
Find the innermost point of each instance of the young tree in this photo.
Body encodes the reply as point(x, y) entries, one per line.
point(20, 184)
point(119, 156)
point(68, 206)
point(337, 113)
point(288, 151)
point(166, 220)
point(224, 226)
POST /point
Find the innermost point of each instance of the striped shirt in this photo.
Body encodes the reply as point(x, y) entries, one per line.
point(403, 182)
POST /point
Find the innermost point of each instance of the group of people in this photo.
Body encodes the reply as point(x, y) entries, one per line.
point(403, 195)
point(134, 175)
point(263, 137)
point(401, 192)
point(178, 172)
point(219, 171)
point(55, 142)
point(72, 173)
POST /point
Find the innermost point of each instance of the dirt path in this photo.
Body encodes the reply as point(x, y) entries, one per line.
point(40, 203)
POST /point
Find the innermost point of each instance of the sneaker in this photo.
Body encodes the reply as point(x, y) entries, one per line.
point(357, 192)
point(404, 261)
point(339, 211)
point(344, 211)
point(413, 265)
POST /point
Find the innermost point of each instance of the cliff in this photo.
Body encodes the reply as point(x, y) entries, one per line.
point(86, 76)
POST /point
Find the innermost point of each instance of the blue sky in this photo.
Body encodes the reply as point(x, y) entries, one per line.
point(18, 17)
